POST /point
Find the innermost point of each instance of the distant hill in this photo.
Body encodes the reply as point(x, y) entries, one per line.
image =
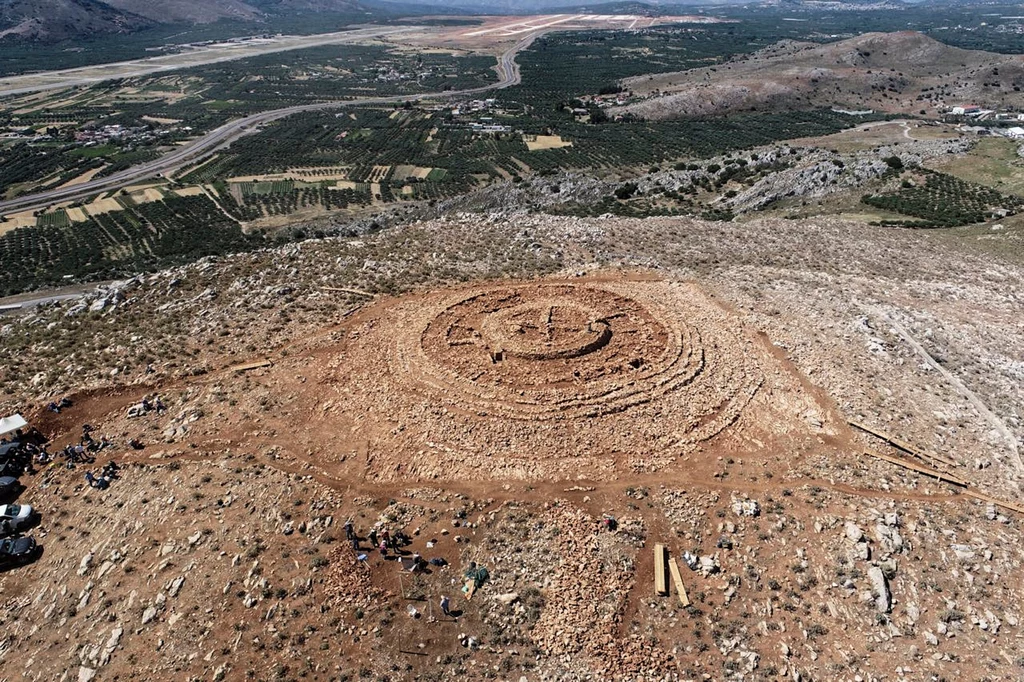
point(307, 6)
point(56, 20)
point(643, 9)
point(543, 6)
point(187, 11)
point(51, 21)
point(904, 72)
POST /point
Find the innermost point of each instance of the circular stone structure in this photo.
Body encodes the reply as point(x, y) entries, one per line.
point(546, 351)
point(542, 330)
point(539, 379)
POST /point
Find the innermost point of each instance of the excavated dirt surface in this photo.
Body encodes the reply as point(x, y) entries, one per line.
point(499, 420)
point(596, 378)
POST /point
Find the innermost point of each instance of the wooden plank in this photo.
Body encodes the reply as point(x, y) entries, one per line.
point(347, 290)
point(677, 578)
point(949, 478)
point(901, 445)
point(250, 366)
point(995, 500)
point(660, 559)
point(913, 466)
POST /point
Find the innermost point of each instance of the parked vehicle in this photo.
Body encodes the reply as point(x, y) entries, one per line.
point(13, 459)
point(9, 450)
point(15, 517)
point(8, 485)
point(17, 551)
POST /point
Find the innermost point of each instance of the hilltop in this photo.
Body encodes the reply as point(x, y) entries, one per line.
point(710, 417)
point(904, 72)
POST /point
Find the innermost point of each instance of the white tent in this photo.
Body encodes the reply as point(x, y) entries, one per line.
point(12, 423)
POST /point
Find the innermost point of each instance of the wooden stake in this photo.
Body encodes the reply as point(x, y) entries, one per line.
point(660, 558)
point(900, 445)
point(994, 500)
point(673, 568)
point(251, 365)
point(913, 466)
point(949, 478)
point(346, 290)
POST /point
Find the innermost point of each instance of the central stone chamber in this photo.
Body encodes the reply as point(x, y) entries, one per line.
point(545, 330)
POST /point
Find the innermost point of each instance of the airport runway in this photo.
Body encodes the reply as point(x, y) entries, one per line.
point(198, 56)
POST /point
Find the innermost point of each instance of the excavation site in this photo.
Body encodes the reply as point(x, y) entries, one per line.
point(564, 473)
point(511, 341)
point(544, 380)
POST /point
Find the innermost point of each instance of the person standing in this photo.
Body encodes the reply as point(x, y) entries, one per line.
point(444, 606)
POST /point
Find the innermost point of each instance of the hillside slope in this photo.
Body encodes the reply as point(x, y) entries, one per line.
point(895, 72)
point(305, 6)
point(55, 20)
point(187, 11)
point(51, 21)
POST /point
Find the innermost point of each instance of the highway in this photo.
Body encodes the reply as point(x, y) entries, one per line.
point(207, 145)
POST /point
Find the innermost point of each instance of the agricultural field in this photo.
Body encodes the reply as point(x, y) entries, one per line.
point(342, 166)
point(560, 67)
point(541, 135)
point(993, 162)
point(940, 200)
point(312, 164)
point(375, 147)
point(61, 135)
point(255, 201)
point(117, 243)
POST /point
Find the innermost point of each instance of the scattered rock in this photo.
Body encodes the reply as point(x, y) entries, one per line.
point(880, 589)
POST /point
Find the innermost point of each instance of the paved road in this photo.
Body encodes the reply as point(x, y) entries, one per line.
point(209, 144)
point(21, 306)
point(24, 302)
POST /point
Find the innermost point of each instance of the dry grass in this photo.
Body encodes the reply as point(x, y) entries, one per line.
point(541, 142)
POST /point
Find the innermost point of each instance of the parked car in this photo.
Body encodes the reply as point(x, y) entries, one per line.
point(8, 484)
point(17, 551)
point(15, 517)
point(12, 459)
point(8, 450)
